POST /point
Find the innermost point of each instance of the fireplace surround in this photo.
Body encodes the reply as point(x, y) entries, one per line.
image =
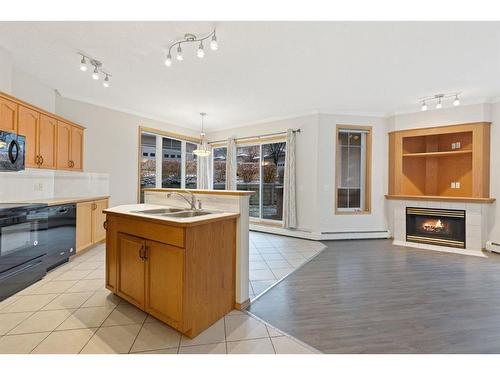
point(435, 226)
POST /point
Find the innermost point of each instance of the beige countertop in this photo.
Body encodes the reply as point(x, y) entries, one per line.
point(66, 200)
point(187, 221)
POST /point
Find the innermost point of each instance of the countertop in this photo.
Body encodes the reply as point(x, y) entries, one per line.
point(127, 209)
point(66, 200)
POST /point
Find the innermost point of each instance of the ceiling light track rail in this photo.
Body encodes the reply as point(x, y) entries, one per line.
point(191, 38)
point(97, 68)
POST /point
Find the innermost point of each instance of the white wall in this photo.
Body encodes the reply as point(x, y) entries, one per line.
point(111, 143)
point(306, 161)
point(29, 89)
point(376, 220)
point(22, 85)
point(5, 71)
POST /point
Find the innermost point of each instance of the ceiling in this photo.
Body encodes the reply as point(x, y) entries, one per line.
point(262, 70)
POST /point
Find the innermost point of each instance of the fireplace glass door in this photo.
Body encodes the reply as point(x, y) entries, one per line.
point(434, 226)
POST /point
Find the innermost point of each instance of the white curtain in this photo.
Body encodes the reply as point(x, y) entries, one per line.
point(203, 170)
point(289, 203)
point(231, 164)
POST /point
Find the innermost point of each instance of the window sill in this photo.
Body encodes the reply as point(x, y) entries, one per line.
point(364, 212)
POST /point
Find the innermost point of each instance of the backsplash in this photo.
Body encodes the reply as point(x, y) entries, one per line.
point(41, 184)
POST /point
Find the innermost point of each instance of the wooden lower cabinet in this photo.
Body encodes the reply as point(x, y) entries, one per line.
point(189, 287)
point(90, 223)
point(131, 269)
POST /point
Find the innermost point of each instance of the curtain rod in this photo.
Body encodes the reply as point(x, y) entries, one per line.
point(256, 136)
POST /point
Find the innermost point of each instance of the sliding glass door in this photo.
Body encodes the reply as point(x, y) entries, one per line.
point(261, 168)
point(166, 162)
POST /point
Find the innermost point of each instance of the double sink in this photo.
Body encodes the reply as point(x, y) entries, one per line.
point(173, 212)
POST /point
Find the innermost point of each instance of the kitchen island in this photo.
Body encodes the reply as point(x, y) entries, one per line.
point(181, 270)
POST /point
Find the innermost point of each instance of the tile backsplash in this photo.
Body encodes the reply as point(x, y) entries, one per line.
point(42, 184)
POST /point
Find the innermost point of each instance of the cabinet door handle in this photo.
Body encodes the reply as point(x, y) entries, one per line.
point(105, 225)
point(140, 253)
point(69, 163)
point(145, 254)
point(41, 159)
point(37, 160)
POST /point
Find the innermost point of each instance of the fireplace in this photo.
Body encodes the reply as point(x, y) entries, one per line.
point(435, 226)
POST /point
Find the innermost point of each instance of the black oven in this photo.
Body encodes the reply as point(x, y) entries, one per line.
point(23, 245)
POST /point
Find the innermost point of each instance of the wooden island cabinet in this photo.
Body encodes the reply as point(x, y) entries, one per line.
point(181, 273)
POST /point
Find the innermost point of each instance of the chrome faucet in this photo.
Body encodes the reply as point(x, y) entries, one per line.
point(192, 201)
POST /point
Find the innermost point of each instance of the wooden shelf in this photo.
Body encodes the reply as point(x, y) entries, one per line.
point(426, 163)
point(438, 153)
point(439, 198)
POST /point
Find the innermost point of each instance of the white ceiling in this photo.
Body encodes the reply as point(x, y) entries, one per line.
point(263, 69)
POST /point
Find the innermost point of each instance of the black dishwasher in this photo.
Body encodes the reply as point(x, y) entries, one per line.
point(61, 234)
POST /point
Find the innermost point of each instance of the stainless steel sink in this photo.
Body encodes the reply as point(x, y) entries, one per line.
point(158, 211)
point(188, 214)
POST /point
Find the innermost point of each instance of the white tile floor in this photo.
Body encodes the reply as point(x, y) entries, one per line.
point(70, 311)
point(273, 257)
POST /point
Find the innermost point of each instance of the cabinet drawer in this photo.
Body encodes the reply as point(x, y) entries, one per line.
point(152, 231)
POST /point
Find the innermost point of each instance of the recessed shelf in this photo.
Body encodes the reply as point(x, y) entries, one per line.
point(438, 153)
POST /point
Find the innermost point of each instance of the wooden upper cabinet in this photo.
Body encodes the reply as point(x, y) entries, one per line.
point(51, 142)
point(76, 148)
point(28, 123)
point(47, 137)
point(63, 145)
point(131, 269)
point(8, 115)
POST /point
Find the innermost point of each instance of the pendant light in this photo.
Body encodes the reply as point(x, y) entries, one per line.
point(202, 150)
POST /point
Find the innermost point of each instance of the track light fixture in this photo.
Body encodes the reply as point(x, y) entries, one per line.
point(191, 38)
point(97, 70)
point(438, 98)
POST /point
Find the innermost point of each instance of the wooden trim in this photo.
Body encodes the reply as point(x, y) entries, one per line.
point(438, 198)
point(242, 306)
point(170, 222)
point(438, 153)
point(267, 222)
point(200, 191)
point(164, 133)
point(38, 109)
point(261, 140)
point(434, 130)
point(368, 171)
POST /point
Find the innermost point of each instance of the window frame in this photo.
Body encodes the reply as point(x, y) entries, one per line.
point(365, 182)
point(163, 134)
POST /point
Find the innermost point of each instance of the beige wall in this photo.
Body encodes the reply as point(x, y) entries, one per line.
point(111, 143)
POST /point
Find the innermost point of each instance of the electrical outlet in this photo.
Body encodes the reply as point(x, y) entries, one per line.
point(452, 185)
point(457, 185)
point(453, 146)
point(458, 145)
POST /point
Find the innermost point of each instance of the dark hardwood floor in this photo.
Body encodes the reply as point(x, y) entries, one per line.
point(369, 296)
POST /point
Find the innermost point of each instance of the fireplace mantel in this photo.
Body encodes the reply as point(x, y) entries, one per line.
point(441, 199)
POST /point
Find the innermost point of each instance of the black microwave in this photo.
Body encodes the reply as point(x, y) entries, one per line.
point(12, 147)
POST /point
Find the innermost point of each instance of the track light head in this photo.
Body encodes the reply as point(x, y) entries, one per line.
point(106, 82)
point(213, 43)
point(168, 60)
point(83, 64)
point(179, 53)
point(95, 74)
point(456, 102)
point(424, 106)
point(201, 52)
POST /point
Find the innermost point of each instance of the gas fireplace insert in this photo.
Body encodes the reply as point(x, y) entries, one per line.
point(435, 226)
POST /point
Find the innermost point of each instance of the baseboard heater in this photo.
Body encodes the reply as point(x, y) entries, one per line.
point(493, 246)
point(355, 235)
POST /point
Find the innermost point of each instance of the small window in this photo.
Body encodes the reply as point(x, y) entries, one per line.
point(152, 154)
point(353, 144)
point(145, 154)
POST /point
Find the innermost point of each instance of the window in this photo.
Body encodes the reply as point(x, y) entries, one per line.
point(175, 166)
point(219, 156)
point(261, 168)
point(353, 166)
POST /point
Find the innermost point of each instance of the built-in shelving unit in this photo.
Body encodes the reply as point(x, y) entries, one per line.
point(440, 162)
